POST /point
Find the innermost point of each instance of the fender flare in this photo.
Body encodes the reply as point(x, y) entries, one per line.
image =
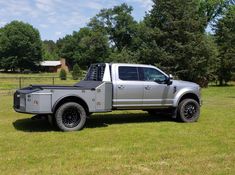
point(70, 97)
point(184, 92)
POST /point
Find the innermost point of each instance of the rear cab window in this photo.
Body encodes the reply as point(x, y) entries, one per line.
point(128, 73)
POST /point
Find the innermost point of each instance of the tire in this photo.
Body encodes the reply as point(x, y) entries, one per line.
point(188, 111)
point(70, 117)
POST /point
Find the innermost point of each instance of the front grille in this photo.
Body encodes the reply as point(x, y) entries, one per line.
point(17, 100)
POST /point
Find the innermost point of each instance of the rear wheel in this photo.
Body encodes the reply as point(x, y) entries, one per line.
point(188, 111)
point(70, 117)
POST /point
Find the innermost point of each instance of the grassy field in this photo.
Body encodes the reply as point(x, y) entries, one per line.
point(123, 142)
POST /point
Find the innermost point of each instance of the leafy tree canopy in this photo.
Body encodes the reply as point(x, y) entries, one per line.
point(84, 47)
point(118, 24)
point(181, 46)
point(50, 50)
point(20, 46)
point(225, 38)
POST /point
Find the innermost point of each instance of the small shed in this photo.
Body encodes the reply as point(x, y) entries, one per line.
point(54, 66)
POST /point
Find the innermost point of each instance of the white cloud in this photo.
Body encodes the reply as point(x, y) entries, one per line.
point(58, 33)
point(58, 17)
point(14, 7)
point(44, 26)
point(92, 5)
point(2, 23)
point(45, 5)
point(147, 4)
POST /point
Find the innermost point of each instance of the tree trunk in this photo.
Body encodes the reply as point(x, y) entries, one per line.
point(221, 82)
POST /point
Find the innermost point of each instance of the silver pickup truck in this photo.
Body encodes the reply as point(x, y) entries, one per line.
point(109, 87)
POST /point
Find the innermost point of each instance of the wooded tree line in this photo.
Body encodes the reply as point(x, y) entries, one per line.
point(171, 36)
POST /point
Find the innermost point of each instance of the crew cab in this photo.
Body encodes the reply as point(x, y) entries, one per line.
point(108, 87)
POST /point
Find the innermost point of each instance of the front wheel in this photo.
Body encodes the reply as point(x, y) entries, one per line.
point(70, 117)
point(188, 111)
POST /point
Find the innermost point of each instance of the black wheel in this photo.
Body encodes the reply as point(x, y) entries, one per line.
point(188, 111)
point(70, 117)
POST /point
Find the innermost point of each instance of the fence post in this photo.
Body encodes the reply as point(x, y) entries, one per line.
point(53, 80)
point(19, 82)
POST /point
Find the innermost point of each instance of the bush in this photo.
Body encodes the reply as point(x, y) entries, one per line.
point(76, 72)
point(63, 74)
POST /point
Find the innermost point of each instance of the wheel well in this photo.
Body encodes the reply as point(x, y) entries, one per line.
point(191, 96)
point(72, 99)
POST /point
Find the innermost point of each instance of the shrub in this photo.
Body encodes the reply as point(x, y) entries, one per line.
point(76, 72)
point(63, 74)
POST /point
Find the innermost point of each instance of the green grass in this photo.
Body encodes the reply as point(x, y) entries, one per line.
point(123, 142)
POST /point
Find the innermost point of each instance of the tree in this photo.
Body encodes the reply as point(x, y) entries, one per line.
point(225, 38)
point(209, 10)
point(20, 46)
point(118, 24)
point(93, 48)
point(84, 47)
point(49, 50)
point(178, 37)
point(76, 72)
point(63, 74)
point(125, 56)
point(67, 47)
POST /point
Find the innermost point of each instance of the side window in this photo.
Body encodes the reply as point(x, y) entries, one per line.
point(128, 73)
point(151, 74)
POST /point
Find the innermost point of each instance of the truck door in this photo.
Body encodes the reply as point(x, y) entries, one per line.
point(156, 91)
point(128, 89)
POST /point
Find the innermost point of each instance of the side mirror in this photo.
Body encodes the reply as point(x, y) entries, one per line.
point(168, 81)
point(171, 77)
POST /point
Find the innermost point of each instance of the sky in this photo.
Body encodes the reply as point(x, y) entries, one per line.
point(56, 18)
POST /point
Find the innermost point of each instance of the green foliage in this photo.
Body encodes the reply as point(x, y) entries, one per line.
point(181, 46)
point(63, 74)
point(49, 49)
point(125, 56)
point(118, 24)
point(225, 38)
point(76, 72)
point(209, 10)
point(84, 47)
point(20, 46)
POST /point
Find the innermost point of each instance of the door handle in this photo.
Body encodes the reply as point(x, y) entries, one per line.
point(120, 87)
point(147, 87)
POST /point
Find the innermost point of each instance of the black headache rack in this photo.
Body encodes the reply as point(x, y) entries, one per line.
point(95, 72)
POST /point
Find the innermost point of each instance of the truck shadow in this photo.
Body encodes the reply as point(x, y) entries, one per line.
point(110, 119)
point(29, 125)
point(94, 121)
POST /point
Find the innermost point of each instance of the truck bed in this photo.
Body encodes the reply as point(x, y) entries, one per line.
point(42, 98)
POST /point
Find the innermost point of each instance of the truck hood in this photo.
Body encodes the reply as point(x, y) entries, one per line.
point(185, 83)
